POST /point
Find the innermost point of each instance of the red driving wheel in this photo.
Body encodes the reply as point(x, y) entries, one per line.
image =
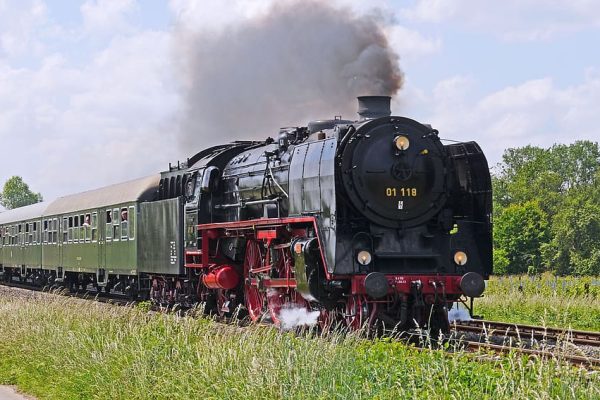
point(357, 311)
point(283, 298)
point(253, 297)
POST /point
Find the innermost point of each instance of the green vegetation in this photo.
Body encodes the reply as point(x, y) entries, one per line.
point(543, 300)
point(16, 193)
point(63, 348)
point(547, 210)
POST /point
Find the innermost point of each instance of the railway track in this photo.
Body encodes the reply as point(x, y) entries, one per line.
point(574, 359)
point(101, 297)
point(539, 333)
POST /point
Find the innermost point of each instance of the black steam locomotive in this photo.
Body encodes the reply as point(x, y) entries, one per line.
point(366, 221)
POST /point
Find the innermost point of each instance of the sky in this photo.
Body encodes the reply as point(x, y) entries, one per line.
point(91, 92)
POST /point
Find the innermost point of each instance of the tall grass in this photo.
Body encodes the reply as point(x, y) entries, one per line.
point(63, 348)
point(543, 300)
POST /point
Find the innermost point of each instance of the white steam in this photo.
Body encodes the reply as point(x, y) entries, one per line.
point(299, 61)
point(292, 317)
point(459, 313)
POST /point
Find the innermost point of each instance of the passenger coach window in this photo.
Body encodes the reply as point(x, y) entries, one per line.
point(65, 229)
point(75, 229)
point(108, 224)
point(55, 230)
point(131, 223)
point(124, 223)
point(94, 227)
point(82, 229)
point(116, 226)
point(86, 227)
point(70, 229)
point(35, 232)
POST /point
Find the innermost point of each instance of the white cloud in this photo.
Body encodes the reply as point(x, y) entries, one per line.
point(431, 10)
point(19, 22)
point(107, 16)
point(536, 112)
point(411, 44)
point(67, 125)
point(517, 20)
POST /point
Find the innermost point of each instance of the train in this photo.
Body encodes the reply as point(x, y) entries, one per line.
point(365, 222)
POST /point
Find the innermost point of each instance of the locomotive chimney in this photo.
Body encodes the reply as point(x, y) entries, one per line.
point(370, 107)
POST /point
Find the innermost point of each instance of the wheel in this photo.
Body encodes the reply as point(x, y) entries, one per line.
point(284, 298)
point(357, 312)
point(438, 321)
point(253, 298)
point(330, 320)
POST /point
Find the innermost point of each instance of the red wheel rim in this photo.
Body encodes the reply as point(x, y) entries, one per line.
point(277, 300)
point(252, 296)
point(356, 312)
point(284, 298)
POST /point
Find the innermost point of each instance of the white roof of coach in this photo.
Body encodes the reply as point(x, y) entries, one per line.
point(34, 211)
point(142, 189)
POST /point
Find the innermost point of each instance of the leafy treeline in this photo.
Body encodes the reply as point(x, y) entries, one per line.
point(547, 210)
point(16, 193)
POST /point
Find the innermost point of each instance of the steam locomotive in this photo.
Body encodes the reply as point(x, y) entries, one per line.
point(366, 222)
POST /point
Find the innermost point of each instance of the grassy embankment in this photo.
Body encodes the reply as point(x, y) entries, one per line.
point(61, 348)
point(543, 300)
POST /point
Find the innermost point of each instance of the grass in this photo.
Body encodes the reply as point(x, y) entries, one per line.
point(63, 348)
point(543, 300)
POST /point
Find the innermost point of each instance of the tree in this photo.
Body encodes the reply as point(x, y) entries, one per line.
point(575, 246)
point(546, 209)
point(519, 232)
point(16, 193)
point(532, 174)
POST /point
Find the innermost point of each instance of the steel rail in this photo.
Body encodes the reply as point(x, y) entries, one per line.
point(529, 331)
point(571, 358)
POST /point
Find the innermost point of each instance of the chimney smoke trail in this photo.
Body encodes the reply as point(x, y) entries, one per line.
point(303, 60)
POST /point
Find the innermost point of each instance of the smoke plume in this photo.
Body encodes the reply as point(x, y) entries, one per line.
point(300, 61)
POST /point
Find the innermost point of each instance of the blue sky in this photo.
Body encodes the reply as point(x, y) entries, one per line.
point(90, 93)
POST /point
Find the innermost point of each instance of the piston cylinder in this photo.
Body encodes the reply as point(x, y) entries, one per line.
point(223, 277)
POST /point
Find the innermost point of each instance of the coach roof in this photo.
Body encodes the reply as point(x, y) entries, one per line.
point(143, 189)
point(34, 211)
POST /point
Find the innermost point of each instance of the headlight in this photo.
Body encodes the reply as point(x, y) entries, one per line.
point(460, 257)
point(364, 257)
point(402, 142)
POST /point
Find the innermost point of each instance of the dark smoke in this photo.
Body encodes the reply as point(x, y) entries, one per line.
point(304, 60)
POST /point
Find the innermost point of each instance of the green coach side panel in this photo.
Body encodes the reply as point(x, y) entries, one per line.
point(160, 237)
point(21, 236)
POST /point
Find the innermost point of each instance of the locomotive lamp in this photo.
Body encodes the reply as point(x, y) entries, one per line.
point(364, 257)
point(401, 142)
point(460, 257)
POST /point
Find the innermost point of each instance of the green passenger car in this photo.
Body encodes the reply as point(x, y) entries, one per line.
point(104, 237)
